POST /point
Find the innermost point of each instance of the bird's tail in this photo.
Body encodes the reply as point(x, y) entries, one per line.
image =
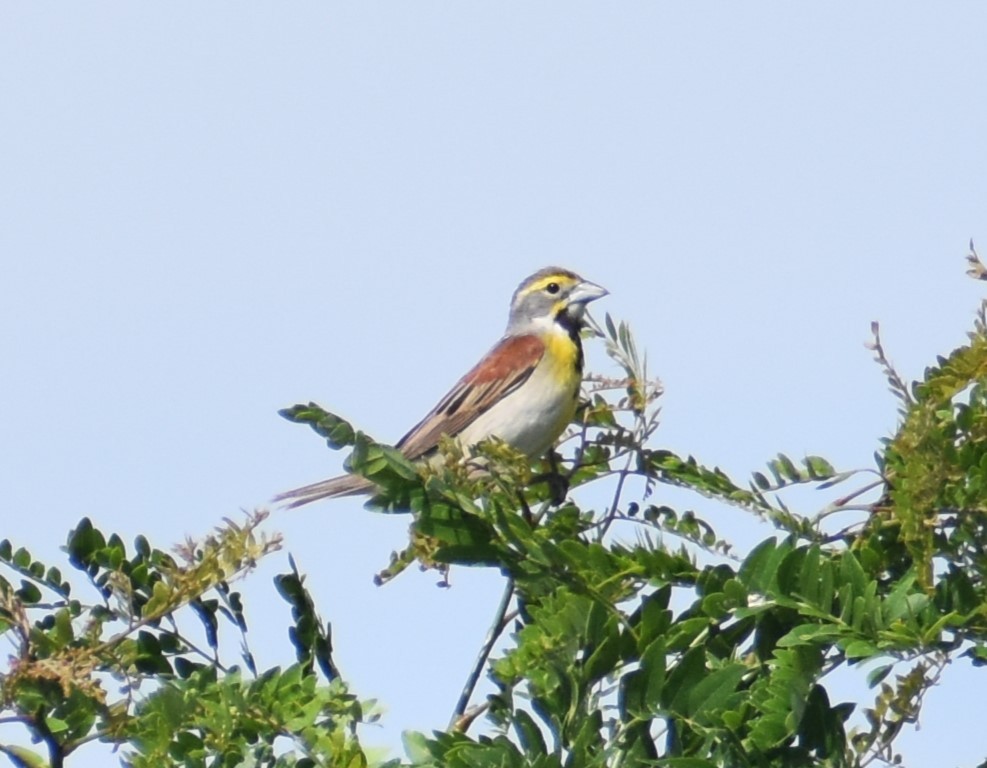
point(344, 485)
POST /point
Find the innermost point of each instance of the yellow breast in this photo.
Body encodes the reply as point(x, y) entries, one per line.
point(564, 357)
point(562, 364)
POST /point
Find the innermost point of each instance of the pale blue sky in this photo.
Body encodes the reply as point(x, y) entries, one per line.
point(211, 211)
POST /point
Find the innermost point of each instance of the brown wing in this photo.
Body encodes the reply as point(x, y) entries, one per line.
point(502, 370)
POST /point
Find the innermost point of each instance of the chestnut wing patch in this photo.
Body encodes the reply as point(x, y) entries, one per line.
point(504, 368)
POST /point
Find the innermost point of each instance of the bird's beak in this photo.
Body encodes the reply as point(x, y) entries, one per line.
point(586, 292)
point(580, 296)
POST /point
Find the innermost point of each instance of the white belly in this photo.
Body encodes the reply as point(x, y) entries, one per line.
point(530, 419)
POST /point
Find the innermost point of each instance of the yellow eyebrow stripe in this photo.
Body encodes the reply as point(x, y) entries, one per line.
point(537, 285)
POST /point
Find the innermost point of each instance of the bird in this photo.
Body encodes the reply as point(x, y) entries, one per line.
point(524, 390)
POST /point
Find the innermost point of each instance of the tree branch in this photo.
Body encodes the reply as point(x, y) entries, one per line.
point(501, 619)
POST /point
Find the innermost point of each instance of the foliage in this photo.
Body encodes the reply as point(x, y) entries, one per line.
point(118, 666)
point(627, 635)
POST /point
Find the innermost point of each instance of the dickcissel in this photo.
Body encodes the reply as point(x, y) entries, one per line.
point(524, 390)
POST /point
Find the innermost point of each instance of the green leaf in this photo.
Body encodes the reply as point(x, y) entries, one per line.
point(759, 570)
point(819, 468)
point(55, 725)
point(787, 467)
point(22, 559)
point(84, 541)
point(682, 678)
point(642, 688)
point(28, 593)
point(807, 634)
point(417, 746)
point(529, 734)
point(63, 633)
point(28, 758)
point(852, 574)
point(861, 649)
point(653, 617)
point(715, 691)
point(878, 674)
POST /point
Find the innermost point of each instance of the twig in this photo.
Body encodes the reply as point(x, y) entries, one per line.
point(496, 628)
point(843, 504)
point(467, 718)
point(14, 719)
point(895, 383)
point(212, 658)
point(662, 531)
point(56, 753)
point(612, 512)
point(977, 269)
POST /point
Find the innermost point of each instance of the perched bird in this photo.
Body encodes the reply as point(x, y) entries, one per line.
point(524, 390)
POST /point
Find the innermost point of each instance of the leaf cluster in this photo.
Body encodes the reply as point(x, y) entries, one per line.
point(122, 665)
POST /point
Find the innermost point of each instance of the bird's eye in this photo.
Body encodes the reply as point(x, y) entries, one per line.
point(552, 288)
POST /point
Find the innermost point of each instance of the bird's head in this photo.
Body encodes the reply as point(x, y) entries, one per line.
point(552, 295)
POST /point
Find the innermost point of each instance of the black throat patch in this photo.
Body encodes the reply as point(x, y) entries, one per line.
point(572, 327)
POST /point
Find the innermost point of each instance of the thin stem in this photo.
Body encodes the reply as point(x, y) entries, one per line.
point(496, 628)
point(467, 718)
point(212, 658)
point(525, 509)
point(650, 524)
point(56, 754)
point(612, 512)
point(843, 503)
